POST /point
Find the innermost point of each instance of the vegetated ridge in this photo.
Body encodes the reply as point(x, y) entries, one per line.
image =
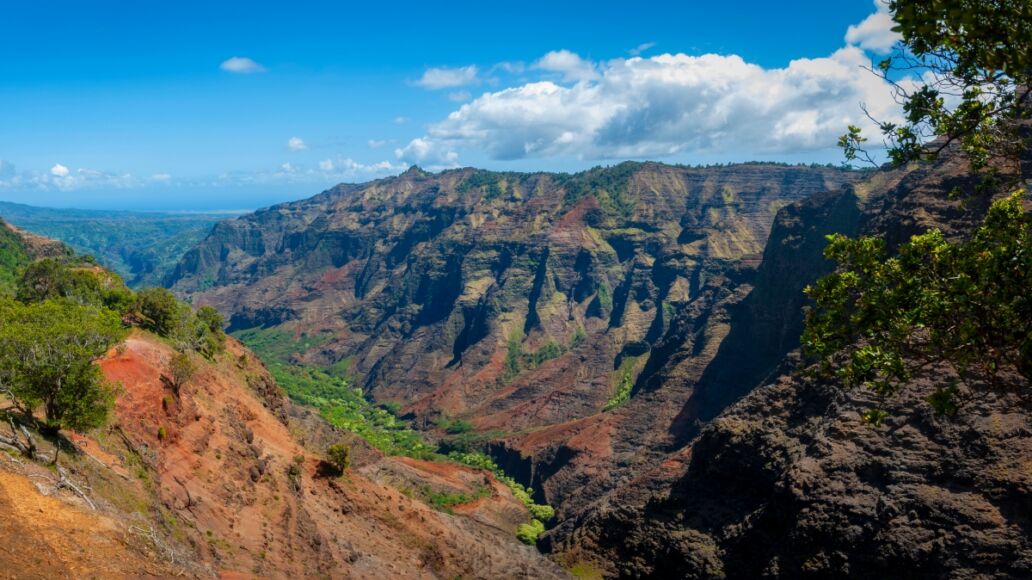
point(140, 246)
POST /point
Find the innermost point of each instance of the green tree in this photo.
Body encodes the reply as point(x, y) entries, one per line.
point(160, 311)
point(47, 359)
point(878, 320)
point(181, 370)
point(975, 60)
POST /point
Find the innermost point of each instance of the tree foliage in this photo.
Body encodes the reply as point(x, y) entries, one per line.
point(82, 283)
point(880, 320)
point(161, 312)
point(181, 369)
point(48, 351)
point(974, 59)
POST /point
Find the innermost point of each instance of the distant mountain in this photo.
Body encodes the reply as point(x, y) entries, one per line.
point(140, 246)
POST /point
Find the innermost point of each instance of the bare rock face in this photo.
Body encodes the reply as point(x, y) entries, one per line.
point(789, 482)
point(520, 302)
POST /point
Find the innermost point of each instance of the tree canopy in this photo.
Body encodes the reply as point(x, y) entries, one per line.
point(47, 359)
point(880, 320)
point(974, 61)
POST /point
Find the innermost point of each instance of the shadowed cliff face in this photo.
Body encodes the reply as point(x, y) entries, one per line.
point(521, 302)
point(789, 481)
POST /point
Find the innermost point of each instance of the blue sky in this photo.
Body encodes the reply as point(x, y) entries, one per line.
point(189, 105)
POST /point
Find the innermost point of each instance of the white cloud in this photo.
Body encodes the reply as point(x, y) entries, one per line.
point(400, 120)
point(376, 143)
point(636, 51)
point(161, 178)
point(60, 177)
point(296, 144)
point(875, 32)
point(288, 168)
point(424, 151)
point(459, 96)
point(326, 165)
point(241, 65)
point(665, 105)
point(443, 77)
point(570, 65)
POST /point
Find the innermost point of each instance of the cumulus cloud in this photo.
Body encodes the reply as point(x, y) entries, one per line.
point(59, 170)
point(296, 144)
point(443, 77)
point(427, 152)
point(665, 105)
point(459, 96)
point(875, 32)
point(569, 65)
point(241, 65)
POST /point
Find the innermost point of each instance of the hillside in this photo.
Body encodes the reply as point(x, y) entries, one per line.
point(517, 303)
point(219, 474)
point(140, 246)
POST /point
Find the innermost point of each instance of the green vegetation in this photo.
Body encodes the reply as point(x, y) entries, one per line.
point(180, 369)
point(345, 406)
point(969, 49)
point(339, 456)
point(517, 360)
point(454, 426)
point(66, 314)
point(493, 184)
point(159, 311)
point(624, 386)
point(47, 355)
point(13, 257)
point(540, 512)
point(274, 344)
point(608, 184)
point(74, 279)
point(879, 321)
point(140, 246)
point(444, 501)
point(528, 533)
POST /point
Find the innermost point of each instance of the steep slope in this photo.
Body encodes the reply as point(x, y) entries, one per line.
point(789, 482)
point(238, 482)
point(520, 302)
point(214, 482)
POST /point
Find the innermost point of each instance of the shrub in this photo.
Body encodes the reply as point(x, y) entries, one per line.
point(529, 533)
point(339, 456)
